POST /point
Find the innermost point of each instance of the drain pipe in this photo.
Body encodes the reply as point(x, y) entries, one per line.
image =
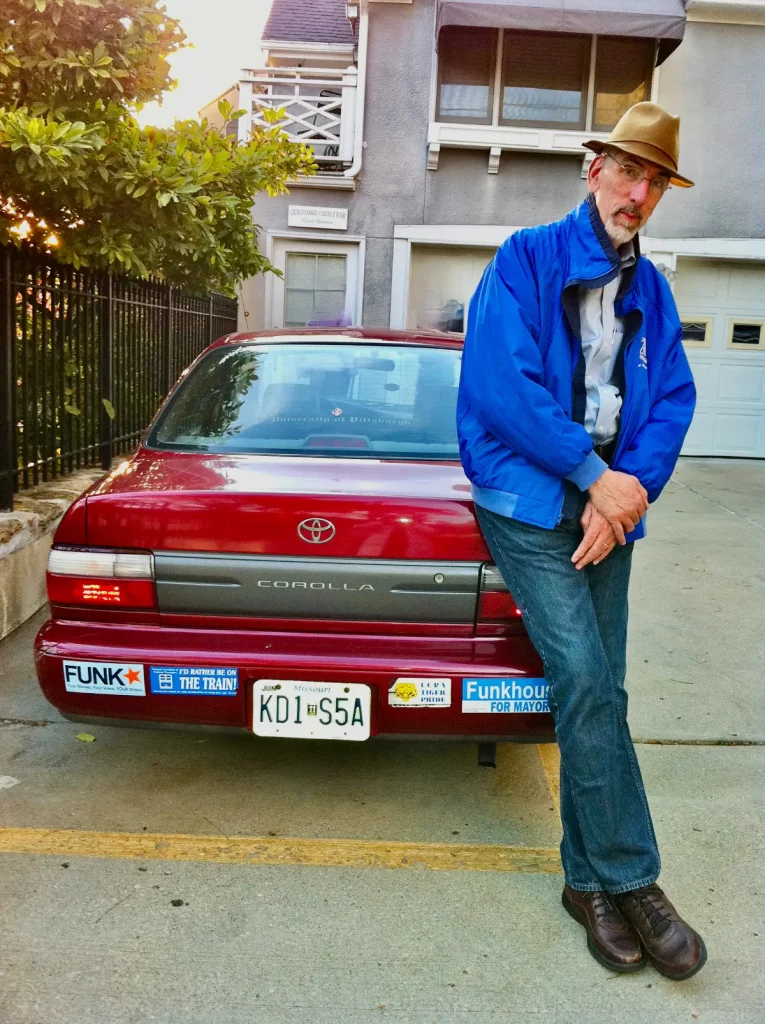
point(358, 145)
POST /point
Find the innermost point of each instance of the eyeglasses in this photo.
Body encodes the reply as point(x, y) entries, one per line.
point(635, 175)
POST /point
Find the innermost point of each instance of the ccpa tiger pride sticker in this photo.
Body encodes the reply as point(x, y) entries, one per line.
point(420, 693)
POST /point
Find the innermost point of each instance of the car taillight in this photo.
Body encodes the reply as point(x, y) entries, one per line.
point(494, 602)
point(101, 579)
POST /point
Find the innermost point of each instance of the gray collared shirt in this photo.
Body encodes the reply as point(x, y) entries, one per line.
point(602, 332)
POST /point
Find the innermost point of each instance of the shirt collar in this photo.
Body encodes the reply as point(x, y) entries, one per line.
point(627, 255)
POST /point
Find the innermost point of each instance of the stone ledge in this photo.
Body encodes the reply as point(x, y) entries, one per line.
point(26, 535)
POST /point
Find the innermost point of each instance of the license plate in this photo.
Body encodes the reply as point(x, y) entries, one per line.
point(319, 711)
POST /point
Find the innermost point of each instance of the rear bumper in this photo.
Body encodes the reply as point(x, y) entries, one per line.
point(375, 660)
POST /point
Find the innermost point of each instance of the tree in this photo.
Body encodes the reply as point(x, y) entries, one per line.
point(78, 173)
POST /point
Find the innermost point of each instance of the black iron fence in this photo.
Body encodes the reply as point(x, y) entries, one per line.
point(85, 360)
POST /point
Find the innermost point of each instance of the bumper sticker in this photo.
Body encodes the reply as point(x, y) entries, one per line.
point(104, 677)
point(504, 696)
point(420, 693)
point(192, 680)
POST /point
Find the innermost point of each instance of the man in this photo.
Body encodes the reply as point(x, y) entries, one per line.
point(574, 401)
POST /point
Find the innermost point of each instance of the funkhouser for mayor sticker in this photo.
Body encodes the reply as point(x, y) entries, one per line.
point(104, 677)
point(513, 696)
point(188, 680)
point(420, 693)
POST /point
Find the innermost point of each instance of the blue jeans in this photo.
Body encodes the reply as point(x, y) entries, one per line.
point(577, 620)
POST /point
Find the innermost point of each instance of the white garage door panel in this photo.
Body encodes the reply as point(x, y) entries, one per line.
point(741, 384)
point(705, 379)
point(730, 382)
point(698, 279)
point(733, 433)
point(746, 285)
point(700, 437)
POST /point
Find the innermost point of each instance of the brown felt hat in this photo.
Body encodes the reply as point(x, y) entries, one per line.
point(649, 132)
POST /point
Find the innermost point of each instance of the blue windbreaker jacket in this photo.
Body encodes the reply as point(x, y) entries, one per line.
point(522, 395)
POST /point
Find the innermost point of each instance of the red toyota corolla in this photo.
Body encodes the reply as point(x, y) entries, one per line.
point(293, 550)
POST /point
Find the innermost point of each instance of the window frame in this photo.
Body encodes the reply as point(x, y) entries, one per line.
point(315, 257)
point(492, 82)
point(755, 321)
point(650, 70)
point(708, 322)
point(280, 242)
point(496, 91)
point(586, 83)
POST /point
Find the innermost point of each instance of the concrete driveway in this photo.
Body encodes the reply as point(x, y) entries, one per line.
point(178, 877)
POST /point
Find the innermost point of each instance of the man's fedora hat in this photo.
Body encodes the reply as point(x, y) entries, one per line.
point(649, 132)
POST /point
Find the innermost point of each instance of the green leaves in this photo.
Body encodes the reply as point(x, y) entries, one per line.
point(82, 175)
point(109, 408)
point(70, 52)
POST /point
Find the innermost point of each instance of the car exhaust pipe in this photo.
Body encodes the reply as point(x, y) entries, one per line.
point(487, 755)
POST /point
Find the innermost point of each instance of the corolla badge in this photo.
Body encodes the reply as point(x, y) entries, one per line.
point(316, 531)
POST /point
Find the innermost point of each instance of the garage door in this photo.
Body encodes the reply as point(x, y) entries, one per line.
point(441, 281)
point(722, 306)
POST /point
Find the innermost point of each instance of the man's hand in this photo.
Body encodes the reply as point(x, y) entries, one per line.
point(598, 541)
point(621, 499)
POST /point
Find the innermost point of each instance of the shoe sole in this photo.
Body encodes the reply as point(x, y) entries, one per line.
point(612, 965)
point(685, 974)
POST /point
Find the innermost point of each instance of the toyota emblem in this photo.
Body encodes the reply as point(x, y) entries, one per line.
point(316, 531)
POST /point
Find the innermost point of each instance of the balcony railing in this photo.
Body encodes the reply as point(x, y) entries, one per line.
point(319, 109)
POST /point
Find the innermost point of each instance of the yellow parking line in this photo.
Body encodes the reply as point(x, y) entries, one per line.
point(347, 853)
point(549, 755)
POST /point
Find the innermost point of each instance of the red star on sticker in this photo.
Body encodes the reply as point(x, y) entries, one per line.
point(132, 676)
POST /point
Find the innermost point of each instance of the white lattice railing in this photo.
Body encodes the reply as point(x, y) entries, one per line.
point(319, 108)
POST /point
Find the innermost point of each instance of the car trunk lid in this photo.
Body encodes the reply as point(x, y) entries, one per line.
point(298, 538)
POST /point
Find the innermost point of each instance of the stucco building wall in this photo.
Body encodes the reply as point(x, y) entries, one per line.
point(723, 128)
point(715, 82)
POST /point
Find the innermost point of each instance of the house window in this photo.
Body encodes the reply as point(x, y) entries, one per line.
point(746, 333)
point(314, 289)
point(545, 79)
point(623, 70)
point(320, 282)
point(697, 332)
point(466, 75)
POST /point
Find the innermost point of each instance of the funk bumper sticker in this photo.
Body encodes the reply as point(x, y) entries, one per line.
point(189, 681)
point(509, 696)
point(420, 693)
point(104, 677)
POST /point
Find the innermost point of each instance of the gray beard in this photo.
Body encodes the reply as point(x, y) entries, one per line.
point(619, 234)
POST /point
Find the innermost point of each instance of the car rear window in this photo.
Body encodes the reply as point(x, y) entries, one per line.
point(390, 401)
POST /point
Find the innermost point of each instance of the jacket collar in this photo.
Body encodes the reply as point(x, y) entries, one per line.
point(593, 260)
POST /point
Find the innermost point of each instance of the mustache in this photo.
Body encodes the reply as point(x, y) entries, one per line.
point(630, 209)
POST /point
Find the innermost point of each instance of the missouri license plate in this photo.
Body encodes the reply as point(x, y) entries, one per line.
point(319, 711)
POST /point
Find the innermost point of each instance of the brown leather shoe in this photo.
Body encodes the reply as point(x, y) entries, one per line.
point(610, 938)
point(675, 949)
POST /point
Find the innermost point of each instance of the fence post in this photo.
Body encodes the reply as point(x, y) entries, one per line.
point(210, 335)
point(106, 366)
point(7, 341)
point(167, 353)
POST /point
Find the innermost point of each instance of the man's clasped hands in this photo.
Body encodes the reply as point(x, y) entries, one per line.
point(617, 503)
